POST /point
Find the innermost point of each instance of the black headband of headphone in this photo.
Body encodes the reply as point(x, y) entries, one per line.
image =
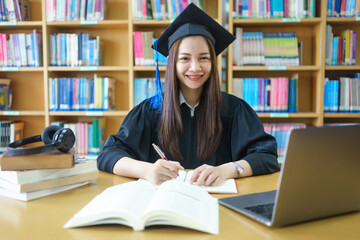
point(54, 137)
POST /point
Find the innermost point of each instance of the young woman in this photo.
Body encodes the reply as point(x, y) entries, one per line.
point(197, 126)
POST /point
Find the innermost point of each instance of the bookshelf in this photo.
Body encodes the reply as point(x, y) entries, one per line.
point(30, 84)
point(312, 33)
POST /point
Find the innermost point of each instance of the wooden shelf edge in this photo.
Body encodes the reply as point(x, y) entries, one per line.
point(101, 23)
point(88, 69)
point(22, 113)
point(121, 113)
point(272, 21)
point(341, 115)
point(289, 115)
point(148, 68)
point(342, 68)
point(275, 68)
point(21, 69)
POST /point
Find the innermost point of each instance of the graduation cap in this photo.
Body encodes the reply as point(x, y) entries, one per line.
point(192, 21)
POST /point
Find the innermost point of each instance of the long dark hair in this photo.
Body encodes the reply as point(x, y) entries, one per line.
point(208, 116)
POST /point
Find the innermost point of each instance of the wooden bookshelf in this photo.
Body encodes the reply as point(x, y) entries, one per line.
point(312, 32)
point(30, 85)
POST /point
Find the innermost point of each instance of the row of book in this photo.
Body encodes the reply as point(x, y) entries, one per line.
point(342, 95)
point(268, 94)
point(144, 55)
point(343, 8)
point(144, 88)
point(281, 132)
point(14, 10)
point(21, 49)
point(82, 94)
point(340, 50)
point(265, 48)
point(160, 9)
point(273, 8)
point(75, 49)
point(75, 10)
point(90, 136)
point(5, 94)
point(10, 131)
point(28, 177)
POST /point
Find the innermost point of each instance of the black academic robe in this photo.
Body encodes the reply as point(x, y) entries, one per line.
point(243, 137)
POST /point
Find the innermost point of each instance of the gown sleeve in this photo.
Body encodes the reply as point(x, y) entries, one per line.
point(250, 142)
point(132, 140)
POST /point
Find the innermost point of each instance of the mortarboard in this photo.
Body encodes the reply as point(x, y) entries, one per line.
point(192, 21)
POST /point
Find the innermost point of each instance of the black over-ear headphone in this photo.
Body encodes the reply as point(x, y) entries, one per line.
point(54, 137)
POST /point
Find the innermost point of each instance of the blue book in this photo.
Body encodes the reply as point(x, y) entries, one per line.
point(334, 51)
point(256, 94)
point(140, 90)
point(336, 10)
point(245, 9)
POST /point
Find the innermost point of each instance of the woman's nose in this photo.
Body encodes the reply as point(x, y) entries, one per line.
point(195, 65)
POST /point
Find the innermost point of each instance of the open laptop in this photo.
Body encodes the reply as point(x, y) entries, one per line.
point(319, 178)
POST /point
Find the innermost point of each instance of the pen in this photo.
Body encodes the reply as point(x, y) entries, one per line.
point(158, 150)
point(161, 153)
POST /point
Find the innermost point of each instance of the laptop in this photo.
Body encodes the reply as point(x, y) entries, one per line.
point(319, 178)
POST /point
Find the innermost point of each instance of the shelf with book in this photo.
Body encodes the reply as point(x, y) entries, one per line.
point(342, 66)
point(308, 69)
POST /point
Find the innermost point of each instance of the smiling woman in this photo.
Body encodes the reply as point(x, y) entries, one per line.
point(193, 67)
point(197, 126)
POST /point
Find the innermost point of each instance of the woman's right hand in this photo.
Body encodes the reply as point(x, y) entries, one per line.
point(162, 170)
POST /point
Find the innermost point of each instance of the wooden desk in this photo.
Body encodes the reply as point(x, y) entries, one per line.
point(43, 219)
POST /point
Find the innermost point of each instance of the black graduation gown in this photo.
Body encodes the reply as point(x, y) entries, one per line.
point(243, 137)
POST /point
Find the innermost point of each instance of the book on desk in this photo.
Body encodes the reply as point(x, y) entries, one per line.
point(139, 204)
point(27, 185)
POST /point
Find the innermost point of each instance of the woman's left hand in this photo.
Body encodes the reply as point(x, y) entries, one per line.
point(209, 175)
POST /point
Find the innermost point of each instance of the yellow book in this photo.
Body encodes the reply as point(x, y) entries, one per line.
point(346, 36)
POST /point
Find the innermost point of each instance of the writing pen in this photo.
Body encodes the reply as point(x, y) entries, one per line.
point(158, 150)
point(161, 153)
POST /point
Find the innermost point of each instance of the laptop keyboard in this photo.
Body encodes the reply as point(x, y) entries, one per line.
point(264, 210)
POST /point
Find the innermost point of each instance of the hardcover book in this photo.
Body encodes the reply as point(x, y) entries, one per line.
point(54, 159)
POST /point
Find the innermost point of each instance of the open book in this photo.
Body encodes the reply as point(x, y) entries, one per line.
point(229, 186)
point(139, 204)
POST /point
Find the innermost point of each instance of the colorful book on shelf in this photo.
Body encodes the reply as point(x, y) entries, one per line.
point(281, 133)
point(10, 131)
point(169, 203)
point(49, 160)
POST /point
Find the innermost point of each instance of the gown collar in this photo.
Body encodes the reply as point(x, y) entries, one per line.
point(182, 100)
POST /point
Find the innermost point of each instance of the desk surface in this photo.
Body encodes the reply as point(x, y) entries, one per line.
point(43, 218)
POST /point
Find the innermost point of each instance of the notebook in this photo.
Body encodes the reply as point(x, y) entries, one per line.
point(319, 178)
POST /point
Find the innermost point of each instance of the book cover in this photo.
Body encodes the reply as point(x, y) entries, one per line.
point(54, 159)
point(172, 203)
point(27, 196)
point(47, 184)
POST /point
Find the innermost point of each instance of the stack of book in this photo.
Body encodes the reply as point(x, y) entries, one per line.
point(33, 176)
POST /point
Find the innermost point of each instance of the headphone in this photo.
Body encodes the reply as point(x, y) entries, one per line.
point(54, 138)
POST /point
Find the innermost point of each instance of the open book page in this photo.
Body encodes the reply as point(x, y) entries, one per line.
point(229, 186)
point(180, 204)
point(122, 204)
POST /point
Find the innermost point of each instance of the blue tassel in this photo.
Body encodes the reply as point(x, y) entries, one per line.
point(156, 101)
